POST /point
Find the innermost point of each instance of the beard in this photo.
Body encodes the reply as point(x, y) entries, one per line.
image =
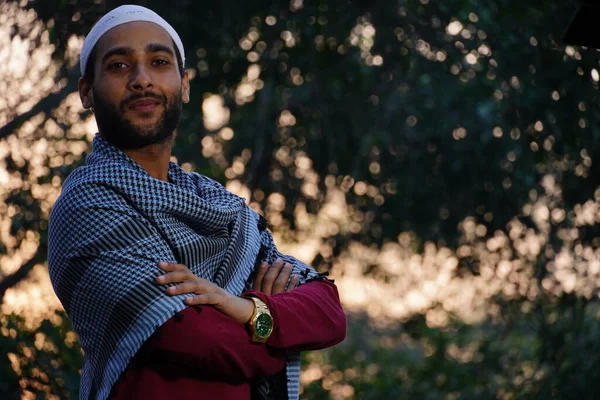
point(121, 133)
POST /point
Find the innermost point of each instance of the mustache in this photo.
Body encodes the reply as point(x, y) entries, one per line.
point(144, 95)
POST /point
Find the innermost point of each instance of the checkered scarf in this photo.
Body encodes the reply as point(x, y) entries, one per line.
point(108, 230)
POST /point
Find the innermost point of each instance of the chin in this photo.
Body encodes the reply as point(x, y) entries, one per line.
point(143, 123)
point(145, 126)
point(145, 117)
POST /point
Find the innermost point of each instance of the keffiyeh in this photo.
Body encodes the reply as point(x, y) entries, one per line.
point(108, 230)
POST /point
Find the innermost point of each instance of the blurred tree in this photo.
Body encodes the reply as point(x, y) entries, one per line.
point(465, 125)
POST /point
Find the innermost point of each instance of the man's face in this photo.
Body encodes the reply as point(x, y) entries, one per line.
point(137, 92)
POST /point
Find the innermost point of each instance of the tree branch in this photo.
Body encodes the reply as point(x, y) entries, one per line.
point(11, 280)
point(264, 103)
point(46, 104)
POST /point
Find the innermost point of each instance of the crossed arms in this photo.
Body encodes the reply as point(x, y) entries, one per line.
point(307, 318)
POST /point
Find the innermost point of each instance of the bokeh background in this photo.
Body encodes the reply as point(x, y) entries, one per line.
point(437, 157)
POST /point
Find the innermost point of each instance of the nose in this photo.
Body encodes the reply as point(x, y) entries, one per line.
point(140, 79)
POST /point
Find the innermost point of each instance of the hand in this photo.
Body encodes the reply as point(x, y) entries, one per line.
point(206, 292)
point(272, 280)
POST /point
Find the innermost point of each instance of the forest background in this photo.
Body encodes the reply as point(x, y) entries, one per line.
point(437, 157)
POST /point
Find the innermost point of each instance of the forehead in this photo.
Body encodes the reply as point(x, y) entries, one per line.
point(135, 35)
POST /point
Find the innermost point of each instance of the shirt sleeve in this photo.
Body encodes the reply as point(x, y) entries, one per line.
point(307, 318)
point(207, 340)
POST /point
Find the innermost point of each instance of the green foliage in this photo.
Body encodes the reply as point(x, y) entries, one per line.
point(47, 359)
point(426, 114)
point(519, 356)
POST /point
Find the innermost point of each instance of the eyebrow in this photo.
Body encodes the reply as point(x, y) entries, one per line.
point(128, 51)
point(159, 47)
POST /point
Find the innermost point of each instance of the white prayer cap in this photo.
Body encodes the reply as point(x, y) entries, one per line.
point(122, 15)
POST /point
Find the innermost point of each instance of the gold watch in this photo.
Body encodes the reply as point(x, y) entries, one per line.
point(261, 321)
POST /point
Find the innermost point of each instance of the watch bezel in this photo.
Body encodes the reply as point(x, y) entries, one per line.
point(260, 308)
point(255, 330)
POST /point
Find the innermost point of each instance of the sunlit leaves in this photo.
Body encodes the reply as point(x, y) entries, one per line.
point(439, 156)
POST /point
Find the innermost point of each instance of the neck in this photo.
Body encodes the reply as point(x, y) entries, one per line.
point(154, 158)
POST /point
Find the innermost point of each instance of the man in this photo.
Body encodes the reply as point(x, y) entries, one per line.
point(156, 266)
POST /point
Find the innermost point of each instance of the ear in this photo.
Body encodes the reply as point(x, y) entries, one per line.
point(185, 88)
point(86, 94)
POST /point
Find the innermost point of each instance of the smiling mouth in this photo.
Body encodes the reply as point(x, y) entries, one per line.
point(144, 105)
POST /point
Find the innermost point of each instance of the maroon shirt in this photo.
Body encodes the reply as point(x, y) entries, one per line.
point(203, 354)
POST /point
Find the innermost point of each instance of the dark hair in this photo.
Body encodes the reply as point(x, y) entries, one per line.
point(89, 68)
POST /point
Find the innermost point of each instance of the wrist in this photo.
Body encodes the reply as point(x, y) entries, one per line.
point(246, 308)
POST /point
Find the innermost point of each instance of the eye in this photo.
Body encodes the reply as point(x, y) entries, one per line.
point(117, 65)
point(160, 62)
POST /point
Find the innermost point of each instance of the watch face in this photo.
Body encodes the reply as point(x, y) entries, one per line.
point(263, 325)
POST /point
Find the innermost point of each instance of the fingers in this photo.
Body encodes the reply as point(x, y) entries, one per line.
point(282, 279)
point(270, 276)
point(197, 286)
point(274, 279)
point(176, 276)
point(293, 283)
point(189, 283)
point(260, 274)
point(166, 266)
point(217, 298)
point(175, 273)
point(204, 299)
